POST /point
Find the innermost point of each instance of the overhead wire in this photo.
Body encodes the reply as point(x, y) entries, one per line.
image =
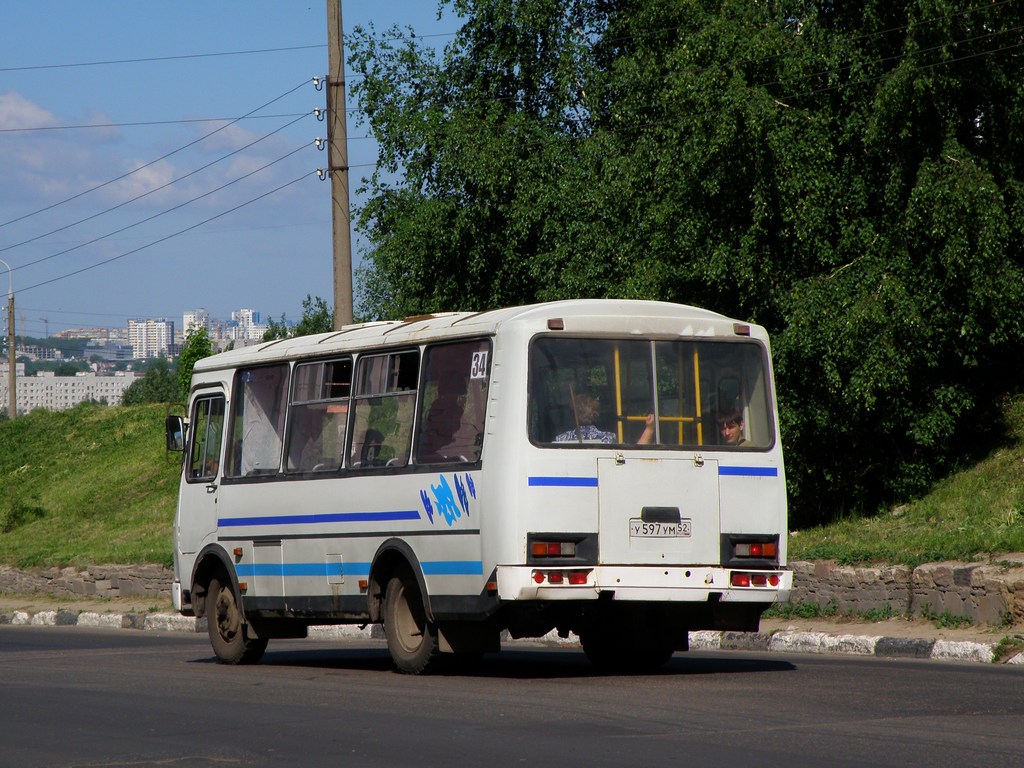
point(157, 160)
point(155, 189)
point(170, 236)
point(161, 213)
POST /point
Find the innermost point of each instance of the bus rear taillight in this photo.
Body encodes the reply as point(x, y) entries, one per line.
point(575, 578)
point(553, 548)
point(756, 549)
point(740, 579)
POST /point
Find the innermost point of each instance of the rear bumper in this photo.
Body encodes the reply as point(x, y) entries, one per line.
point(642, 583)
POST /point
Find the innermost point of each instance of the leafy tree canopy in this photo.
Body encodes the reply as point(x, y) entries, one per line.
point(317, 317)
point(159, 385)
point(197, 346)
point(848, 175)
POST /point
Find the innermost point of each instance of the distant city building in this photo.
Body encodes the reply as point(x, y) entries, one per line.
point(58, 393)
point(108, 350)
point(151, 338)
point(37, 352)
point(84, 333)
point(195, 318)
point(245, 325)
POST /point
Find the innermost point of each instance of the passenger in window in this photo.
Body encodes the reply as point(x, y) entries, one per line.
point(647, 436)
point(730, 426)
point(588, 408)
point(370, 453)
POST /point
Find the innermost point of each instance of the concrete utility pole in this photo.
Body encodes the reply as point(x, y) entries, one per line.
point(12, 376)
point(337, 163)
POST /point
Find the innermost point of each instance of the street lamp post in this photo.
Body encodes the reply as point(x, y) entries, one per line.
point(12, 379)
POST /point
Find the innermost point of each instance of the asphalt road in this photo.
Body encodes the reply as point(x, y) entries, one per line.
point(84, 697)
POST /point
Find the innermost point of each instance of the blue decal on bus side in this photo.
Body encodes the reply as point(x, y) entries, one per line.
point(335, 517)
point(451, 504)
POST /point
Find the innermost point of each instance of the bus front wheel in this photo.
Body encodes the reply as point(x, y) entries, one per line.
point(412, 638)
point(227, 629)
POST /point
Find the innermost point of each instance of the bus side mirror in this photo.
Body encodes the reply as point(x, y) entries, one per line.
point(175, 429)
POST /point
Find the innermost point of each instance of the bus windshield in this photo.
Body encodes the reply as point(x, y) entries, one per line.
point(688, 394)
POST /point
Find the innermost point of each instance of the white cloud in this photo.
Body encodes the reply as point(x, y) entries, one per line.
point(18, 112)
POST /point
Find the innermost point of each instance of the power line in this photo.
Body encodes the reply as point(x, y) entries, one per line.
point(168, 237)
point(155, 189)
point(136, 124)
point(157, 160)
point(162, 213)
point(159, 58)
point(187, 56)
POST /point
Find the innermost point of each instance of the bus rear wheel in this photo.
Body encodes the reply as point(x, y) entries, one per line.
point(226, 627)
point(412, 638)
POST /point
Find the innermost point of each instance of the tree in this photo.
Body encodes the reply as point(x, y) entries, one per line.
point(317, 317)
point(848, 176)
point(159, 385)
point(197, 346)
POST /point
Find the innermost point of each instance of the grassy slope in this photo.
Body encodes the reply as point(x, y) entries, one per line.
point(93, 485)
point(90, 485)
point(976, 513)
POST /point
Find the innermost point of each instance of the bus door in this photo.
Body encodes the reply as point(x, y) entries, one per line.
point(197, 518)
point(658, 511)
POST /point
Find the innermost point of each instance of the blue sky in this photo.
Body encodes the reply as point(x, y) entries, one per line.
point(158, 77)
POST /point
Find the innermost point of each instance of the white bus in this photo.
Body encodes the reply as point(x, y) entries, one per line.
point(605, 468)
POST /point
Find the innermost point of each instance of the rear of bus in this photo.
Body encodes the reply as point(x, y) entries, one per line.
point(654, 500)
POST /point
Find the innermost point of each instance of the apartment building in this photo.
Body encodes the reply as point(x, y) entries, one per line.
point(58, 393)
point(151, 338)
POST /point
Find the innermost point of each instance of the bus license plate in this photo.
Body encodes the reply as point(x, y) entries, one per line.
point(642, 530)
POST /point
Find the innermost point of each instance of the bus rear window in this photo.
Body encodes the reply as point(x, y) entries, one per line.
point(645, 392)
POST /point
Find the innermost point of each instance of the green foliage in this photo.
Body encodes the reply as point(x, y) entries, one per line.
point(86, 486)
point(1007, 648)
point(159, 385)
point(848, 176)
point(197, 346)
point(317, 317)
point(801, 611)
point(975, 511)
point(70, 369)
point(946, 620)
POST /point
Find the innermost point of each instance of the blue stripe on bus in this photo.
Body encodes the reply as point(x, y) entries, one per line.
point(564, 482)
point(336, 517)
point(430, 568)
point(453, 568)
point(591, 482)
point(748, 471)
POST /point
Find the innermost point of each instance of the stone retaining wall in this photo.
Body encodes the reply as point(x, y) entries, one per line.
point(95, 581)
point(986, 593)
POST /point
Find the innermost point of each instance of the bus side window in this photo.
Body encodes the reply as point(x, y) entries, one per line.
point(383, 406)
point(207, 430)
point(454, 399)
point(257, 421)
point(319, 414)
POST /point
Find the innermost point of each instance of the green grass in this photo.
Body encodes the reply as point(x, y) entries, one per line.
point(85, 486)
point(974, 514)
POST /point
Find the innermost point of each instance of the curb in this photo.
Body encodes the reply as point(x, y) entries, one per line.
point(779, 642)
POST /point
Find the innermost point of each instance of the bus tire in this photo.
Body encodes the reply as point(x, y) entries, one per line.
point(227, 629)
point(412, 638)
